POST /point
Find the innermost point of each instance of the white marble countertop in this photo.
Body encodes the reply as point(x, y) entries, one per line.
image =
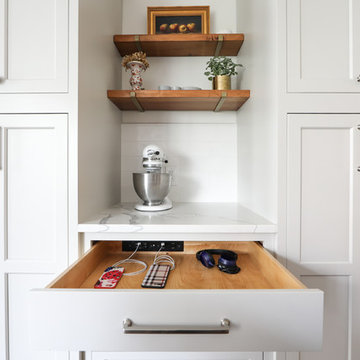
point(182, 218)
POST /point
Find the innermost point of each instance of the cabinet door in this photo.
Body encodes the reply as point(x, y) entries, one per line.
point(33, 180)
point(323, 239)
point(33, 46)
point(18, 347)
point(323, 46)
point(33, 220)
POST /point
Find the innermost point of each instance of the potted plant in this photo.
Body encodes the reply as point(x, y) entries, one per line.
point(220, 69)
point(137, 63)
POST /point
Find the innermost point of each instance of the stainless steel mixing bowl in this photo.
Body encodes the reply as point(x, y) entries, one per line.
point(152, 188)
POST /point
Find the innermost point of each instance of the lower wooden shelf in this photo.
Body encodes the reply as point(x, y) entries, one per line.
point(195, 100)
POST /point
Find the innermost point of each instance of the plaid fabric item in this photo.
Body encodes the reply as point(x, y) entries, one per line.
point(156, 276)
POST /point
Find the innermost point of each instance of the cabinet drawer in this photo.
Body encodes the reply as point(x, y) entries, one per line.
point(268, 308)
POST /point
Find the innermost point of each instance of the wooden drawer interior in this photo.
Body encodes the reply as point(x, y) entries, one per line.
point(259, 270)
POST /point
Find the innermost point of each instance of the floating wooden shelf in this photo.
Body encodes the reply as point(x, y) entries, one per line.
point(203, 100)
point(180, 44)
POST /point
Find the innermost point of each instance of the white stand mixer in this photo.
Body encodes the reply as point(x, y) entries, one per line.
point(153, 185)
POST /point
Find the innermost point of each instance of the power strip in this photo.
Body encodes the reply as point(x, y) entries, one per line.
point(153, 245)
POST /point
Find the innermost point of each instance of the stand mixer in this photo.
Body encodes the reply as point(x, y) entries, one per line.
point(153, 185)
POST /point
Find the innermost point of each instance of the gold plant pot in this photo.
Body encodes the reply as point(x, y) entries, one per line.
point(222, 82)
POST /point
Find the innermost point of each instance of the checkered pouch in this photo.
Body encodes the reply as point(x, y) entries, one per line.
point(156, 276)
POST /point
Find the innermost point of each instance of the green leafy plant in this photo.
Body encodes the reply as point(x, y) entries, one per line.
point(220, 65)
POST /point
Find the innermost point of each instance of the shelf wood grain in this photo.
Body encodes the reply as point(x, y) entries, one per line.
point(180, 44)
point(194, 100)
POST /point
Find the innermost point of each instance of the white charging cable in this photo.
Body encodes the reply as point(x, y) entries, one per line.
point(129, 260)
point(164, 258)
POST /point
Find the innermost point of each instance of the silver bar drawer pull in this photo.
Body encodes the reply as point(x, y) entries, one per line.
point(130, 328)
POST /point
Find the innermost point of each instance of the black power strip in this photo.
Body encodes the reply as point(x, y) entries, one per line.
point(153, 245)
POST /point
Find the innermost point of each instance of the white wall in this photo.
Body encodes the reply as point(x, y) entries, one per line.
point(202, 156)
point(257, 119)
point(99, 119)
point(201, 146)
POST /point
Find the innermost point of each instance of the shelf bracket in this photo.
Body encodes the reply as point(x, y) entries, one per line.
point(138, 43)
point(135, 101)
point(219, 45)
point(221, 101)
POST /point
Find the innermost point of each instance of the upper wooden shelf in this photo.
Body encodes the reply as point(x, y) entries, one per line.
point(180, 44)
point(203, 100)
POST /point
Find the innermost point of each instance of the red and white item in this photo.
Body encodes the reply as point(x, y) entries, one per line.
point(109, 279)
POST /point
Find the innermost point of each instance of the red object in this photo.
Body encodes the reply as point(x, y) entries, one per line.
point(109, 279)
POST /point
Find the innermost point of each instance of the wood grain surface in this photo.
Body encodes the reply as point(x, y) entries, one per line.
point(259, 270)
point(195, 100)
point(179, 44)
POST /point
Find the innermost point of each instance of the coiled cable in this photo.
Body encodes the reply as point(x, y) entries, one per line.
point(164, 258)
point(129, 260)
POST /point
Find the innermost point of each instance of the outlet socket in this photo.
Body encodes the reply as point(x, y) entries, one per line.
point(153, 245)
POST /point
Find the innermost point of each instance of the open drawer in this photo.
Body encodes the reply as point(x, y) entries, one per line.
point(262, 308)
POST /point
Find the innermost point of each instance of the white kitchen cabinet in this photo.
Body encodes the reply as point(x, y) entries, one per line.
point(34, 191)
point(268, 308)
point(33, 218)
point(323, 46)
point(18, 287)
point(34, 41)
point(323, 236)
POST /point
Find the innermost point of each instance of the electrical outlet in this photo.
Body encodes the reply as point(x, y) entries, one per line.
point(153, 245)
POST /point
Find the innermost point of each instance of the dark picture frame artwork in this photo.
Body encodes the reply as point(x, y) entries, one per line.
point(178, 20)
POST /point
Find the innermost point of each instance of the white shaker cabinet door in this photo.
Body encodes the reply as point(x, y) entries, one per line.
point(323, 238)
point(34, 46)
point(18, 347)
point(33, 193)
point(323, 45)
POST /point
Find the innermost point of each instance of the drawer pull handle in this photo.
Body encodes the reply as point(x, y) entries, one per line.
point(130, 328)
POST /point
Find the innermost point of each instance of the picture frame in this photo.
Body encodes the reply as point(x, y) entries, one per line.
point(178, 20)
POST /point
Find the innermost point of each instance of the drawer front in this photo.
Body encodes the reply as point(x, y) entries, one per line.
point(178, 356)
point(260, 320)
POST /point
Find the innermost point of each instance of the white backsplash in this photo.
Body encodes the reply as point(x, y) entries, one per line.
point(203, 158)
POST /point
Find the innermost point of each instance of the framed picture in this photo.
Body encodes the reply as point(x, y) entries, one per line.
point(179, 20)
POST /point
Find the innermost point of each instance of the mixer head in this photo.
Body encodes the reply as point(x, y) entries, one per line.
point(153, 158)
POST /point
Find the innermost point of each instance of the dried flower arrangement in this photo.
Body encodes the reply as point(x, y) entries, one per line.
point(138, 56)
